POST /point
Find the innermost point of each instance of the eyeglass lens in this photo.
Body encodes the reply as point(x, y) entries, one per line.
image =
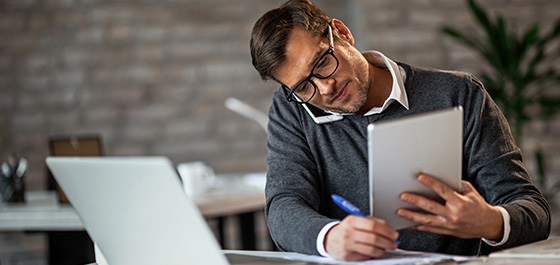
point(324, 68)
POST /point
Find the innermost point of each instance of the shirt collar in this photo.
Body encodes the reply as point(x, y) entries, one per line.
point(398, 93)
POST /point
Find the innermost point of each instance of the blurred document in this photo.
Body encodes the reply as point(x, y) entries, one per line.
point(390, 258)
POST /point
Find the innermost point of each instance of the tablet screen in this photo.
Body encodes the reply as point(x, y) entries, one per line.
point(399, 149)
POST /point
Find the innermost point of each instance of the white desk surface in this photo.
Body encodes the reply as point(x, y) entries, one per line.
point(42, 212)
point(547, 247)
point(542, 246)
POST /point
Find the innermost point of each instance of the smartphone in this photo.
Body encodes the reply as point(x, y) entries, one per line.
point(319, 116)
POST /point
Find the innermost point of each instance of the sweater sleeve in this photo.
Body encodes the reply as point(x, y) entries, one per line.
point(292, 186)
point(494, 165)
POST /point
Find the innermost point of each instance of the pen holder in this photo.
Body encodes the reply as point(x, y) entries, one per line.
point(13, 190)
point(12, 174)
point(6, 187)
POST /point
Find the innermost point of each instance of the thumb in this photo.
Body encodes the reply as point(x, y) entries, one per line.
point(466, 187)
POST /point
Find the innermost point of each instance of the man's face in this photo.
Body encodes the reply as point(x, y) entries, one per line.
point(346, 91)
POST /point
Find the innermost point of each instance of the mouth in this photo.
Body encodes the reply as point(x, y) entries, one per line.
point(342, 93)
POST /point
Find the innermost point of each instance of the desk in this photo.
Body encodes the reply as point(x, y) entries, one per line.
point(230, 196)
point(274, 257)
point(533, 253)
point(40, 212)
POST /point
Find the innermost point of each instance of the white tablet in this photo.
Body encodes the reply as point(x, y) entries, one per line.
point(399, 149)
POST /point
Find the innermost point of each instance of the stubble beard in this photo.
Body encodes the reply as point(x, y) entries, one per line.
point(362, 92)
point(356, 105)
point(362, 89)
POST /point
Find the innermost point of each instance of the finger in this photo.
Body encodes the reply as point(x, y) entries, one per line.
point(424, 203)
point(374, 240)
point(466, 187)
point(353, 256)
point(422, 219)
point(373, 225)
point(439, 187)
point(367, 250)
point(432, 229)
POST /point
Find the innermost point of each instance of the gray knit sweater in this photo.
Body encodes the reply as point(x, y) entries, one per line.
point(308, 162)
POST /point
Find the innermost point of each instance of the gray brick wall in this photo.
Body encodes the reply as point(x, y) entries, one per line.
point(151, 76)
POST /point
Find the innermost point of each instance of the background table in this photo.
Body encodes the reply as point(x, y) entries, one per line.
point(231, 195)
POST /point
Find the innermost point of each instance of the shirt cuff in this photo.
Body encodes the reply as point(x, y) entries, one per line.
point(507, 229)
point(321, 238)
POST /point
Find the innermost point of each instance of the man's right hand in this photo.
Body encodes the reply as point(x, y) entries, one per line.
point(360, 238)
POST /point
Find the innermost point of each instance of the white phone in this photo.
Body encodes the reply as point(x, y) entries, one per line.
point(320, 116)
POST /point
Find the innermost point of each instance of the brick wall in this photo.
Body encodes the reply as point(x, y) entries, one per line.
point(151, 76)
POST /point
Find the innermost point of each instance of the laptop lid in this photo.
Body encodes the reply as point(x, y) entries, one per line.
point(135, 210)
point(399, 149)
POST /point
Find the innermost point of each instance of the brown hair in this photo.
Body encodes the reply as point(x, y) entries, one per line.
point(270, 32)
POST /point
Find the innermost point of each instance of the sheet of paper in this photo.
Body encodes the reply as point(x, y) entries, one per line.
point(392, 257)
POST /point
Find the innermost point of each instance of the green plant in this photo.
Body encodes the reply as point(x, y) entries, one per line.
point(521, 76)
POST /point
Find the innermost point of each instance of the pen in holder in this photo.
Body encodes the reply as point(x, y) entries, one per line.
point(12, 173)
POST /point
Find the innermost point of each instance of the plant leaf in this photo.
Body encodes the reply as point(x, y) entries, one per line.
point(523, 66)
point(550, 102)
point(481, 17)
point(530, 37)
point(459, 36)
point(554, 33)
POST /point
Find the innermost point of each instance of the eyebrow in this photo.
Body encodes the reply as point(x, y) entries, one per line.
point(315, 58)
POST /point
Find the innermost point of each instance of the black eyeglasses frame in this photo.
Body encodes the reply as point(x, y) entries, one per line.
point(290, 93)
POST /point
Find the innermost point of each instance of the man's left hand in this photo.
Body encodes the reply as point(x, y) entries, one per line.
point(464, 215)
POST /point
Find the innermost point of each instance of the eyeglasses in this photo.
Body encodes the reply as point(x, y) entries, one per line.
point(323, 68)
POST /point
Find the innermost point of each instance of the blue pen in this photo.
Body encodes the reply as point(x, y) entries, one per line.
point(350, 208)
point(346, 205)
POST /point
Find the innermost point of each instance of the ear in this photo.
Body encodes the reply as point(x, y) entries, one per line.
point(343, 31)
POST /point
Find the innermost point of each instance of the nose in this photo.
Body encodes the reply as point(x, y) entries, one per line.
point(325, 86)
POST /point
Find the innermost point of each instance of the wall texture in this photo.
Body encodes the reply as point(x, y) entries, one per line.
point(151, 77)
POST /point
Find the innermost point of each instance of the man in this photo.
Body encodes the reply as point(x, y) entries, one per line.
point(313, 58)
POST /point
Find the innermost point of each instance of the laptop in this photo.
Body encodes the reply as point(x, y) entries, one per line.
point(399, 149)
point(136, 211)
